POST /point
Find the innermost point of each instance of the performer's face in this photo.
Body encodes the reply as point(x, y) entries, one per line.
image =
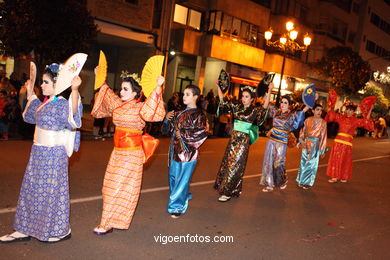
point(284, 104)
point(317, 112)
point(47, 85)
point(246, 98)
point(188, 98)
point(349, 112)
point(127, 92)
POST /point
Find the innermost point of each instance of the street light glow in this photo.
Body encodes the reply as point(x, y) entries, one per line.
point(293, 34)
point(283, 40)
point(268, 34)
point(307, 40)
point(289, 26)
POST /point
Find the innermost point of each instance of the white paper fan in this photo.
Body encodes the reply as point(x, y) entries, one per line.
point(68, 71)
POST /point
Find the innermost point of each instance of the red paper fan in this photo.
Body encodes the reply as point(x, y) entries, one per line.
point(366, 105)
point(332, 98)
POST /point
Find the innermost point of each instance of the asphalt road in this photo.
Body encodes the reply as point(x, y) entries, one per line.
point(330, 221)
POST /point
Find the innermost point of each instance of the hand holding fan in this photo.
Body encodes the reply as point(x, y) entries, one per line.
point(68, 71)
point(101, 73)
point(262, 87)
point(150, 74)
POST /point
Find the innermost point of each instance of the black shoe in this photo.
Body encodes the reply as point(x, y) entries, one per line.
point(175, 215)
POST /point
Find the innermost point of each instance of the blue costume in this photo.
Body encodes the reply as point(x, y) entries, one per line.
point(183, 154)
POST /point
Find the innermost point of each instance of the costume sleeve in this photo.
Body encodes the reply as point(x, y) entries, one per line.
point(366, 123)
point(272, 111)
point(302, 133)
point(261, 115)
point(194, 133)
point(299, 119)
point(167, 127)
point(225, 107)
point(323, 138)
point(332, 116)
point(71, 119)
point(105, 102)
point(30, 110)
point(153, 108)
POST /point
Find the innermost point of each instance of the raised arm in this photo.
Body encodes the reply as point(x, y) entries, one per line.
point(153, 108)
point(268, 95)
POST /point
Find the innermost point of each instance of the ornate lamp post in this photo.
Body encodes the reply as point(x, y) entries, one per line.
point(287, 43)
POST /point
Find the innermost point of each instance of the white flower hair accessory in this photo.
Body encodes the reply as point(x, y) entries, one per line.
point(126, 74)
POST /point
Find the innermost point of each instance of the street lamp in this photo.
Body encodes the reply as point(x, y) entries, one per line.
point(287, 43)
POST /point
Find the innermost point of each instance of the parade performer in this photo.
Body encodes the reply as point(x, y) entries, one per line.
point(340, 160)
point(122, 180)
point(247, 118)
point(312, 140)
point(274, 162)
point(188, 130)
point(43, 207)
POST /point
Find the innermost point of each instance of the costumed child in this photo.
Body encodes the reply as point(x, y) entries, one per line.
point(340, 160)
point(43, 207)
point(188, 130)
point(312, 140)
point(122, 180)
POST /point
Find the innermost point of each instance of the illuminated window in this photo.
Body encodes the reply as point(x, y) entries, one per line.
point(195, 19)
point(181, 13)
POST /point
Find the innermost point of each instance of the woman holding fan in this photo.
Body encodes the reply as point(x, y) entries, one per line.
point(122, 180)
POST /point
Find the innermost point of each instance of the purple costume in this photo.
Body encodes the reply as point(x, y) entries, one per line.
point(43, 207)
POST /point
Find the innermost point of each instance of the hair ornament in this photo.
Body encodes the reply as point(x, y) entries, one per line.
point(249, 88)
point(54, 67)
point(126, 74)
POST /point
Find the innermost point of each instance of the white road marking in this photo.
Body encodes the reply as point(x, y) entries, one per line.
point(164, 188)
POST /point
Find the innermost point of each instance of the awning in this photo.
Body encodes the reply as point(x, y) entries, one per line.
point(244, 81)
point(124, 32)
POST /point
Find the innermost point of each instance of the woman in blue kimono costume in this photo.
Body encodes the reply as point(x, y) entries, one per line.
point(247, 118)
point(312, 140)
point(274, 162)
point(43, 207)
point(188, 130)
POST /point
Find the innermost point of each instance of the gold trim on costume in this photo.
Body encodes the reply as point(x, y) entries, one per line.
point(345, 135)
point(343, 142)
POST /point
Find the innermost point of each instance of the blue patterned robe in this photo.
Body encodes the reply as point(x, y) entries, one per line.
point(43, 207)
point(274, 162)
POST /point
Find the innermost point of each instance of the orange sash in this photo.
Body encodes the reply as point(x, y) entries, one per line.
point(126, 139)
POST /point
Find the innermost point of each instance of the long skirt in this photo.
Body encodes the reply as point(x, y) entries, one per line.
point(309, 163)
point(121, 188)
point(229, 178)
point(274, 164)
point(340, 162)
point(43, 207)
point(180, 174)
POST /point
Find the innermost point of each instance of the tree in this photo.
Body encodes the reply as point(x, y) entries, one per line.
point(382, 103)
point(347, 71)
point(52, 30)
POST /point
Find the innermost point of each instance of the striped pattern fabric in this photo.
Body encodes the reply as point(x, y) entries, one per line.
point(123, 177)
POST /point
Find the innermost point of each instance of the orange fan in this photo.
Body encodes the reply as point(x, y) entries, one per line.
point(152, 70)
